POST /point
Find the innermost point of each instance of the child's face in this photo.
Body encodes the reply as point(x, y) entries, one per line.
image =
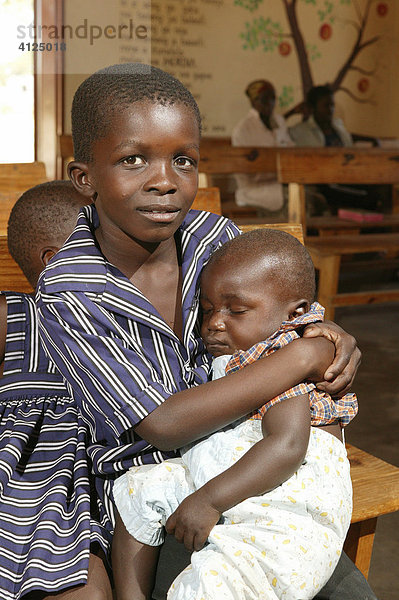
point(239, 308)
point(145, 172)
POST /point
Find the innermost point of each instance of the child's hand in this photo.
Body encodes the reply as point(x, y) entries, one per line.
point(340, 374)
point(193, 520)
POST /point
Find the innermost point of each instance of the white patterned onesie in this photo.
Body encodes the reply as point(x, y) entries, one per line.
point(284, 544)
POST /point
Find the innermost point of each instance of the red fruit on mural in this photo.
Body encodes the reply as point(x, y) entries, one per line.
point(382, 9)
point(363, 84)
point(284, 48)
point(325, 31)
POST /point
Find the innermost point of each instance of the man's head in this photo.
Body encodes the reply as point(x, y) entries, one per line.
point(40, 221)
point(262, 96)
point(320, 99)
point(136, 134)
point(250, 286)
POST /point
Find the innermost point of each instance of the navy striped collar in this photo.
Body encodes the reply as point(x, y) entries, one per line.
point(80, 266)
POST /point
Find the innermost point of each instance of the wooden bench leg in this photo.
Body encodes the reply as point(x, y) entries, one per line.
point(359, 544)
point(328, 267)
point(297, 205)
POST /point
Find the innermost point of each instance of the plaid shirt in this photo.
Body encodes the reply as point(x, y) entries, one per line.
point(324, 409)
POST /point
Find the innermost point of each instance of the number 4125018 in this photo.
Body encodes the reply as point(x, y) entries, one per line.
point(41, 46)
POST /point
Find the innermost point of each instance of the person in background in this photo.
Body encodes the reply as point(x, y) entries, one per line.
point(322, 128)
point(53, 541)
point(262, 126)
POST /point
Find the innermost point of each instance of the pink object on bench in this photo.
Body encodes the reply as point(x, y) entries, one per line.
point(360, 215)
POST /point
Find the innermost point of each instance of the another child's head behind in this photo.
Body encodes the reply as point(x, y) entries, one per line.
point(250, 286)
point(40, 222)
point(136, 132)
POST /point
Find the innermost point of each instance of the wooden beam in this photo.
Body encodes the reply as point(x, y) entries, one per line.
point(338, 165)
point(48, 89)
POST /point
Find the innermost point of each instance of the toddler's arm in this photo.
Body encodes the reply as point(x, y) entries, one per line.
point(267, 464)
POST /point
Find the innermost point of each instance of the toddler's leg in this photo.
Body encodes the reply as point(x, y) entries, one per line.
point(133, 564)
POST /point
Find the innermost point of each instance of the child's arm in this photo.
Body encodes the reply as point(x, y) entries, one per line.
point(267, 464)
point(193, 413)
point(122, 391)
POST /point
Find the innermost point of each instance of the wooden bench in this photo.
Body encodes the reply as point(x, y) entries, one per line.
point(16, 178)
point(337, 226)
point(11, 276)
point(326, 253)
point(299, 167)
point(375, 493)
point(208, 199)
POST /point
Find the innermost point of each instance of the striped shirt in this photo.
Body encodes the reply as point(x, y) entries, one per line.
point(324, 410)
point(118, 356)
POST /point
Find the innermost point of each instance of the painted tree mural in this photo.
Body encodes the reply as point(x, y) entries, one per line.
point(270, 35)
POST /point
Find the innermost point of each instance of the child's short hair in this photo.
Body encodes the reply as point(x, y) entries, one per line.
point(44, 214)
point(291, 262)
point(108, 91)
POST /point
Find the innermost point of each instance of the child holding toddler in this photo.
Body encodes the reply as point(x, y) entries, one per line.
point(270, 493)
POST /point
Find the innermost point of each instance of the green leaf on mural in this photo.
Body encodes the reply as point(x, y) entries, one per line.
point(263, 33)
point(313, 51)
point(250, 5)
point(286, 97)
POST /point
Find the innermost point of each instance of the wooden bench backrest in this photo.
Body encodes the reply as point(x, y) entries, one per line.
point(221, 158)
point(294, 229)
point(338, 165)
point(11, 276)
point(305, 166)
point(208, 199)
point(16, 178)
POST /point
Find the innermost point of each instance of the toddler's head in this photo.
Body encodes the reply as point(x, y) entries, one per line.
point(250, 286)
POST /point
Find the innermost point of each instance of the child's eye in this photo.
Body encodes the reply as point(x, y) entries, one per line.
point(184, 161)
point(239, 311)
point(134, 160)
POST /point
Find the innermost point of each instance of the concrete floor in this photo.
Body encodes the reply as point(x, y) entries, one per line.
point(376, 427)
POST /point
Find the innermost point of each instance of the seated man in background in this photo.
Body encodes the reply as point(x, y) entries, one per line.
point(260, 127)
point(322, 128)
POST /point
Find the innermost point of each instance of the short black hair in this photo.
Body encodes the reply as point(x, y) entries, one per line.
point(294, 274)
point(108, 91)
point(317, 92)
point(43, 215)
